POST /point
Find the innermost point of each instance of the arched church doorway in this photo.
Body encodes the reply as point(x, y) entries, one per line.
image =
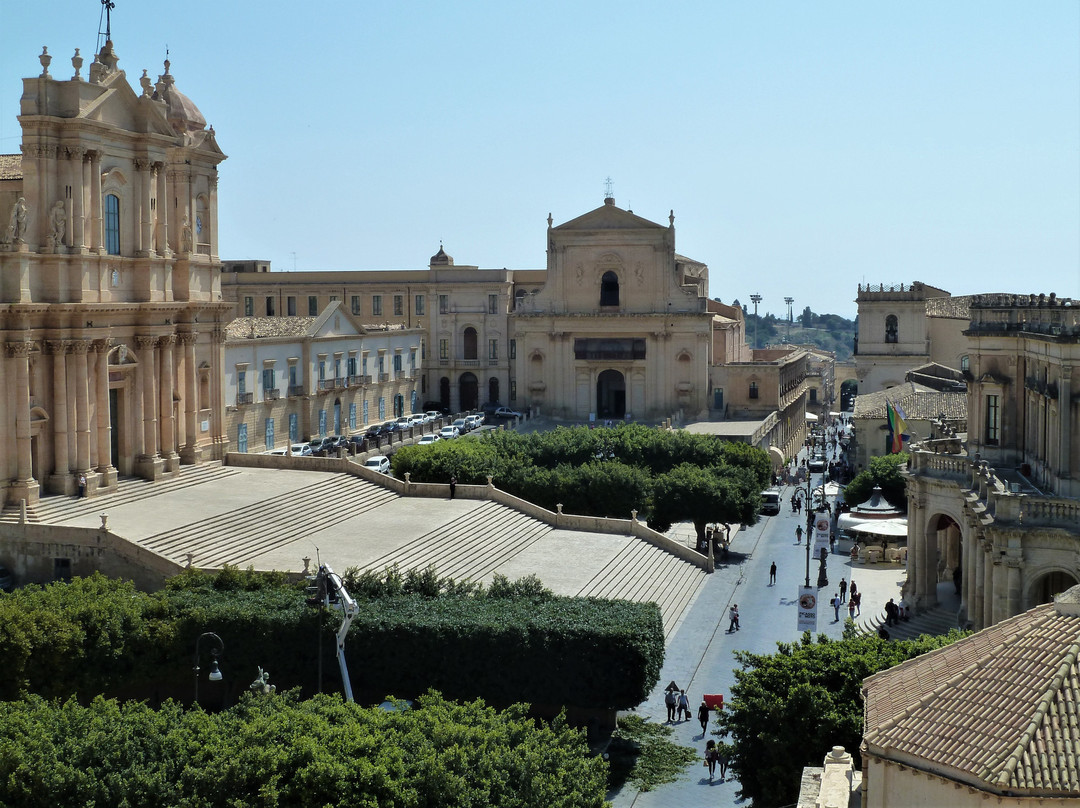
point(611, 394)
point(946, 548)
point(1046, 586)
point(469, 389)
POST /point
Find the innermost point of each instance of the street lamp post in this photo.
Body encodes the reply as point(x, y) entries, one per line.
point(789, 301)
point(755, 299)
point(215, 651)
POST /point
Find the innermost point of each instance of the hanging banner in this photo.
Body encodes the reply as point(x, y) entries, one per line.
point(821, 533)
point(808, 598)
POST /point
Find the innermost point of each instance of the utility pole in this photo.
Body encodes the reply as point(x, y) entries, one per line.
point(755, 299)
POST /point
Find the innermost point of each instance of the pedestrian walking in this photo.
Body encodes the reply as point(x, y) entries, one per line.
point(453, 485)
point(843, 591)
point(684, 706)
point(854, 589)
point(798, 535)
point(856, 598)
point(835, 603)
point(723, 755)
point(733, 618)
point(851, 609)
point(772, 574)
point(710, 758)
point(703, 716)
point(670, 701)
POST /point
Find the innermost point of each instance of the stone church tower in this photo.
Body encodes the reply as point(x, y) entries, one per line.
point(111, 319)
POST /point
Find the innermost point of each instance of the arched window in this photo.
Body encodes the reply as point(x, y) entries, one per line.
point(202, 224)
point(112, 224)
point(470, 343)
point(892, 329)
point(609, 289)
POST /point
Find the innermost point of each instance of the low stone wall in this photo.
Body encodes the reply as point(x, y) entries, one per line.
point(33, 550)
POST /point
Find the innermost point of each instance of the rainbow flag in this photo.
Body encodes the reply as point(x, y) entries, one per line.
point(897, 425)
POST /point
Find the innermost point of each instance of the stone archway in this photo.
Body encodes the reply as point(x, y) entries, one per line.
point(468, 387)
point(610, 394)
point(1043, 588)
point(948, 547)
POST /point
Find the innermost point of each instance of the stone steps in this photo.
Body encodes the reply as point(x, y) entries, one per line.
point(56, 509)
point(458, 550)
point(261, 526)
point(645, 573)
point(936, 622)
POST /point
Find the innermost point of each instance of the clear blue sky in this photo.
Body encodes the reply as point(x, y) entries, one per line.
point(804, 147)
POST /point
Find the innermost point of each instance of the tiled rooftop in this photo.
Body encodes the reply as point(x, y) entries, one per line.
point(957, 307)
point(263, 327)
point(10, 166)
point(999, 707)
point(916, 400)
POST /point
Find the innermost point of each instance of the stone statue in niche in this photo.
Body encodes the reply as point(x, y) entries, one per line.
point(580, 273)
point(57, 224)
point(639, 274)
point(20, 215)
point(185, 235)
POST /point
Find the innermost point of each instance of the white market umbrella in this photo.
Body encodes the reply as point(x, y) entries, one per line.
point(891, 528)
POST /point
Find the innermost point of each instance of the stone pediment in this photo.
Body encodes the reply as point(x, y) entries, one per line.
point(335, 321)
point(119, 106)
point(609, 217)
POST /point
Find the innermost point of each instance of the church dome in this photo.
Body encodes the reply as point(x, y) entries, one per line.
point(441, 258)
point(182, 112)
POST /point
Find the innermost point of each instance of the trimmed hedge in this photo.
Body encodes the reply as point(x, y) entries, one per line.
point(507, 644)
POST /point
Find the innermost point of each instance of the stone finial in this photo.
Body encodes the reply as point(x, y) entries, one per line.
point(307, 564)
point(549, 219)
point(45, 60)
point(77, 63)
point(146, 83)
point(558, 509)
point(633, 515)
point(671, 217)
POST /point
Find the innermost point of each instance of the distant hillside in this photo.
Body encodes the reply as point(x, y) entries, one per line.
point(828, 331)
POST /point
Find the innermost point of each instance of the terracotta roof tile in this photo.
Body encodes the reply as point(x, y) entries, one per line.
point(1000, 706)
point(263, 327)
point(10, 166)
point(917, 401)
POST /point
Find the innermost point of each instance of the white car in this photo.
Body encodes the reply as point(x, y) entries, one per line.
point(433, 415)
point(301, 449)
point(461, 425)
point(427, 440)
point(448, 432)
point(474, 421)
point(380, 463)
point(417, 420)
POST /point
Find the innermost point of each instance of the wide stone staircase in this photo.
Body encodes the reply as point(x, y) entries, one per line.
point(274, 522)
point(643, 572)
point(58, 508)
point(937, 621)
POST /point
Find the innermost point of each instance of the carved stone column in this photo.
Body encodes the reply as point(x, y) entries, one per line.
point(61, 481)
point(190, 452)
point(217, 391)
point(148, 464)
point(987, 617)
point(103, 414)
point(166, 432)
point(95, 200)
point(82, 405)
point(162, 209)
point(73, 206)
point(25, 486)
point(144, 245)
point(78, 224)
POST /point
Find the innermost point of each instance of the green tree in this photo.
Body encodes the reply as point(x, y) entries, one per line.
point(884, 471)
point(704, 495)
point(788, 709)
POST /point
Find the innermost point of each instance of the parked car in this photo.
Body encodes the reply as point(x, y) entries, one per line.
point(380, 463)
point(816, 464)
point(506, 412)
point(474, 421)
point(461, 425)
point(427, 440)
point(448, 432)
point(391, 426)
point(278, 452)
point(418, 419)
point(433, 415)
point(301, 449)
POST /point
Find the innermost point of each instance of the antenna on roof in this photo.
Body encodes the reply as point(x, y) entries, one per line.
point(106, 7)
point(607, 183)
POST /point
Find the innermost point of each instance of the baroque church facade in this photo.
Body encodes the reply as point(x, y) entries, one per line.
point(111, 317)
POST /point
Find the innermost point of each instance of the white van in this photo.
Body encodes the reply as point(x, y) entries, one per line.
point(770, 501)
